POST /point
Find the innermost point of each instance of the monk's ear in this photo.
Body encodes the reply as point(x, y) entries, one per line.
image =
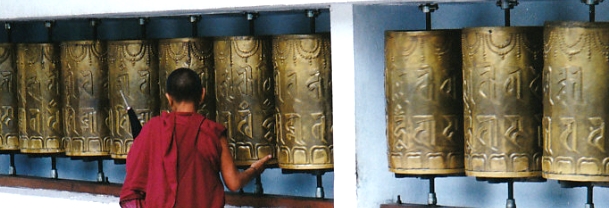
point(169, 99)
point(202, 96)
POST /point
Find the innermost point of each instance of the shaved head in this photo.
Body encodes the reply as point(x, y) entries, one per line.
point(183, 84)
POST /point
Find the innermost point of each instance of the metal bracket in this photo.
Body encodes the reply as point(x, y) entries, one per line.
point(590, 196)
point(251, 16)
point(54, 167)
point(8, 27)
point(432, 199)
point(101, 177)
point(592, 2)
point(312, 14)
point(507, 4)
point(194, 19)
point(258, 188)
point(94, 24)
point(428, 9)
point(592, 8)
point(510, 202)
point(11, 169)
point(319, 191)
point(49, 25)
point(143, 21)
point(588, 185)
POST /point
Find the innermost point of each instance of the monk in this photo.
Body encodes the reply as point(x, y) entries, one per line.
point(177, 159)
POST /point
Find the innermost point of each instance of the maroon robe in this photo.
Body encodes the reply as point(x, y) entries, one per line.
point(170, 166)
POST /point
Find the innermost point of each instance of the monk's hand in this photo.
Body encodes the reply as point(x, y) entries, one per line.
point(258, 166)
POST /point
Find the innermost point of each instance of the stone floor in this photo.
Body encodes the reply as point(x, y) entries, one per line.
point(27, 197)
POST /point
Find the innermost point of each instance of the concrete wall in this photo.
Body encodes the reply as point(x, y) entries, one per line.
point(24, 197)
point(376, 185)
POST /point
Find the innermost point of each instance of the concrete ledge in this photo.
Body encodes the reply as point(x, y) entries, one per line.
point(27, 197)
point(93, 190)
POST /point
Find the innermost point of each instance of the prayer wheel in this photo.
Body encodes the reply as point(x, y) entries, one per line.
point(40, 124)
point(424, 102)
point(502, 93)
point(193, 53)
point(575, 108)
point(133, 69)
point(245, 100)
point(9, 138)
point(303, 99)
point(85, 104)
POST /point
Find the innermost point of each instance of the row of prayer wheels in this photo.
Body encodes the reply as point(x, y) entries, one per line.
point(500, 102)
point(272, 93)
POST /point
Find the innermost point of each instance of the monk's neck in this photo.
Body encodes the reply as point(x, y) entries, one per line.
point(183, 107)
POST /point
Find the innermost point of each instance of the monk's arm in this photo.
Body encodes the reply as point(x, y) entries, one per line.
point(233, 178)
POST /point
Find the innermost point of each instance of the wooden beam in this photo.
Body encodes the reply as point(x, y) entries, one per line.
point(236, 199)
point(113, 189)
point(61, 184)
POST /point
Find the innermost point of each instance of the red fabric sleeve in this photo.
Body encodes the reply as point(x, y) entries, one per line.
point(134, 187)
point(216, 131)
point(135, 203)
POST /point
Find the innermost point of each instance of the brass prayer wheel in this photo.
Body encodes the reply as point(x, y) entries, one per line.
point(424, 102)
point(9, 135)
point(40, 124)
point(133, 69)
point(502, 93)
point(193, 53)
point(245, 99)
point(85, 104)
point(575, 101)
point(303, 99)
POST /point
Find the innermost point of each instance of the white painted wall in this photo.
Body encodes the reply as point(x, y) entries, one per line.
point(343, 104)
point(25, 197)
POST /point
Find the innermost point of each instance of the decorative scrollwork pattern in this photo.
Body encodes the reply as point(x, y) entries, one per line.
point(41, 122)
point(576, 71)
point(244, 75)
point(424, 105)
point(303, 99)
point(85, 102)
point(134, 70)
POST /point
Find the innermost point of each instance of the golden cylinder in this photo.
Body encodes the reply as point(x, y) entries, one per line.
point(9, 134)
point(40, 124)
point(193, 53)
point(133, 69)
point(576, 94)
point(424, 105)
point(303, 99)
point(246, 104)
point(502, 93)
point(85, 104)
